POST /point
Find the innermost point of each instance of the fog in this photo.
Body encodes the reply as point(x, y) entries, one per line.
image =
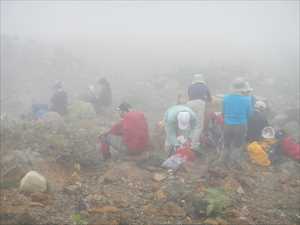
point(133, 43)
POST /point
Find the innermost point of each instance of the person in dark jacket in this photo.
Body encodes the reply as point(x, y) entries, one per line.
point(199, 90)
point(130, 135)
point(258, 121)
point(103, 95)
point(59, 100)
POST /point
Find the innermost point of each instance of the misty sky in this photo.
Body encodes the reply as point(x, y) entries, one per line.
point(243, 21)
point(133, 38)
point(148, 33)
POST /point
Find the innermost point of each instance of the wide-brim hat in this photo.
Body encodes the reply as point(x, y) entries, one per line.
point(240, 85)
point(198, 78)
point(268, 133)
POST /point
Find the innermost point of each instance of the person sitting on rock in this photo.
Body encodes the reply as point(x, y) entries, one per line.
point(257, 122)
point(59, 100)
point(179, 120)
point(130, 135)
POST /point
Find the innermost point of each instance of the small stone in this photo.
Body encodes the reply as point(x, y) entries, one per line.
point(71, 189)
point(159, 177)
point(210, 221)
point(240, 190)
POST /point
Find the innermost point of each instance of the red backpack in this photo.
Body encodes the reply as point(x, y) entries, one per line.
point(291, 148)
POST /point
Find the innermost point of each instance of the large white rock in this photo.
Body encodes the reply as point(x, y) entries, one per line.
point(33, 182)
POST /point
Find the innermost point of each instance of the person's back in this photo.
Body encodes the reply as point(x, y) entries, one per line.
point(135, 131)
point(199, 91)
point(105, 96)
point(236, 109)
point(257, 122)
point(59, 102)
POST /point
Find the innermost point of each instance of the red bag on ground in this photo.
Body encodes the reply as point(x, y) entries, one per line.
point(186, 153)
point(291, 148)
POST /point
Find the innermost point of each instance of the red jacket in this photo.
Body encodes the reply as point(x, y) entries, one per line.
point(291, 148)
point(134, 130)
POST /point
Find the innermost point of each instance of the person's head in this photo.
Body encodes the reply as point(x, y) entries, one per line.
point(181, 99)
point(183, 120)
point(248, 89)
point(240, 86)
point(260, 106)
point(57, 85)
point(102, 81)
point(198, 78)
point(124, 108)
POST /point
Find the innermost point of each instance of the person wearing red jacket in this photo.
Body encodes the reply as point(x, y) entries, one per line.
point(130, 135)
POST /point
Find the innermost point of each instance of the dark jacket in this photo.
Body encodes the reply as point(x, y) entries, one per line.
point(59, 102)
point(199, 91)
point(257, 122)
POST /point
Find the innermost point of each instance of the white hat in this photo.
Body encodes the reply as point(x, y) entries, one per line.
point(240, 85)
point(268, 133)
point(198, 78)
point(183, 119)
point(260, 105)
point(249, 88)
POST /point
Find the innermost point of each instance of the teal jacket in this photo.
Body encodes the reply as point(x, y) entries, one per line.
point(171, 126)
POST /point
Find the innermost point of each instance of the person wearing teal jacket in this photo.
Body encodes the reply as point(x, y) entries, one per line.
point(179, 120)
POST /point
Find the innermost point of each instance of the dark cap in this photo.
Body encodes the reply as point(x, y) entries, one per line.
point(124, 107)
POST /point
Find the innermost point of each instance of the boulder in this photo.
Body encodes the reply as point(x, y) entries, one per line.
point(33, 182)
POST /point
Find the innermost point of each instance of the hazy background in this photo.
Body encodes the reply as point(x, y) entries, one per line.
point(147, 50)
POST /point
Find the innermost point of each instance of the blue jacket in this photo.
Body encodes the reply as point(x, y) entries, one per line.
point(171, 126)
point(237, 109)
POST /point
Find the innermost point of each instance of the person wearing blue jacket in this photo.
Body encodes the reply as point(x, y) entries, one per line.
point(237, 109)
point(179, 120)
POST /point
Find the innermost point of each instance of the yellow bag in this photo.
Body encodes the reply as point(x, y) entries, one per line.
point(258, 154)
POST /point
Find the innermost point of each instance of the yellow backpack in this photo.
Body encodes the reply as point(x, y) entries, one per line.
point(258, 155)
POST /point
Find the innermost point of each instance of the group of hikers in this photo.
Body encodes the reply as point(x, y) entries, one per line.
point(242, 120)
point(99, 95)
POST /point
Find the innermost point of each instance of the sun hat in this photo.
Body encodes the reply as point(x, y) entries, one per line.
point(260, 105)
point(183, 119)
point(268, 133)
point(198, 78)
point(240, 85)
point(124, 107)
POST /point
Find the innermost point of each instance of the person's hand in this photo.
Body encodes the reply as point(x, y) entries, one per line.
point(102, 136)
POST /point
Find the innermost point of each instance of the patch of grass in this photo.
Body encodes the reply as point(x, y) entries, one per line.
point(7, 184)
point(217, 201)
point(78, 219)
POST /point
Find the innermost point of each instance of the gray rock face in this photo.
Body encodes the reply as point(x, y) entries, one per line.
point(33, 182)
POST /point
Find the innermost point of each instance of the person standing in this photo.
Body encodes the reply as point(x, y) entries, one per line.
point(59, 100)
point(199, 95)
point(237, 108)
point(257, 122)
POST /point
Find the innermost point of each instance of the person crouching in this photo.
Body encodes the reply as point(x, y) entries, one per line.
point(130, 135)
